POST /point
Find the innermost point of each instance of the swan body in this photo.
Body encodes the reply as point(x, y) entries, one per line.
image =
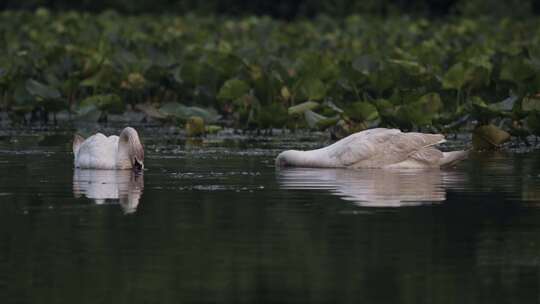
point(376, 148)
point(112, 153)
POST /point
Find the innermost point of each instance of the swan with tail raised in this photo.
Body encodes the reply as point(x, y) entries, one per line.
point(113, 153)
point(376, 148)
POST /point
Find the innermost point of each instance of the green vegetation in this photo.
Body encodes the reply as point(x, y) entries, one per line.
point(257, 72)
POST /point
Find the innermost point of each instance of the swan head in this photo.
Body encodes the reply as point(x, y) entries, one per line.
point(288, 158)
point(130, 150)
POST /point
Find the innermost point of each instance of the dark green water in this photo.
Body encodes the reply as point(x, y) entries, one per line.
point(214, 222)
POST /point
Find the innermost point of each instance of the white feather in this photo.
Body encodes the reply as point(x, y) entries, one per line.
point(375, 148)
point(101, 152)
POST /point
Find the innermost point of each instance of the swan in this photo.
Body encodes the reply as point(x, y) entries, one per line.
point(376, 148)
point(114, 152)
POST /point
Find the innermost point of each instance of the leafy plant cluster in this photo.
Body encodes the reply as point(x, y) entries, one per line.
point(258, 72)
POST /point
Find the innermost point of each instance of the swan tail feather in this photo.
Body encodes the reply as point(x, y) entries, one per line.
point(77, 142)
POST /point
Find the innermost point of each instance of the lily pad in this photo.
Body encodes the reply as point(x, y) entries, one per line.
point(183, 112)
point(531, 103)
point(455, 77)
point(110, 103)
point(489, 137)
point(195, 126)
point(233, 89)
point(41, 90)
point(301, 108)
point(318, 121)
point(311, 88)
point(362, 111)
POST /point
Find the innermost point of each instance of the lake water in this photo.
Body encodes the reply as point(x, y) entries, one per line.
point(213, 221)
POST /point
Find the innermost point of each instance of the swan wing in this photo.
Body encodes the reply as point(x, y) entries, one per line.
point(380, 147)
point(97, 152)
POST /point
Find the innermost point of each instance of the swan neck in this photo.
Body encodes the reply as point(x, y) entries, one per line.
point(313, 158)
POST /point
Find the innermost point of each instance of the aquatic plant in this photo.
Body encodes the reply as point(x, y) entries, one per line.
point(257, 72)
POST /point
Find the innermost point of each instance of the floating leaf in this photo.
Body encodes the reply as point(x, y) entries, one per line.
point(41, 90)
point(311, 88)
point(365, 64)
point(533, 122)
point(362, 111)
point(301, 108)
point(531, 103)
point(272, 115)
point(318, 121)
point(488, 137)
point(183, 112)
point(195, 126)
point(110, 103)
point(455, 77)
point(233, 89)
point(213, 129)
point(516, 70)
point(431, 102)
point(409, 66)
point(151, 111)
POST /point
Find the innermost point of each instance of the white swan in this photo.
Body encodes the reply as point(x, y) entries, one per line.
point(114, 152)
point(376, 148)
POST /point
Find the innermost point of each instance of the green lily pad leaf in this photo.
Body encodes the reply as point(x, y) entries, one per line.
point(531, 103)
point(41, 90)
point(362, 111)
point(365, 64)
point(312, 118)
point(22, 97)
point(533, 122)
point(421, 112)
point(213, 129)
point(488, 137)
point(301, 108)
point(311, 88)
point(384, 106)
point(86, 109)
point(110, 103)
point(431, 102)
point(195, 126)
point(233, 89)
point(272, 115)
point(506, 105)
point(409, 66)
point(182, 112)
point(455, 77)
point(485, 111)
point(516, 70)
point(332, 106)
point(208, 114)
point(88, 112)
point(151, 111)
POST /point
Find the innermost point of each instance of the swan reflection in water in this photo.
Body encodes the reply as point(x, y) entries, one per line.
point(105, 186)
point(374, 187)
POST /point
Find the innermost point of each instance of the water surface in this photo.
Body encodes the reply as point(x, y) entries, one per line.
point(212, 221)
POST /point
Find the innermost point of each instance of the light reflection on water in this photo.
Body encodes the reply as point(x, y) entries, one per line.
point(374, 187)
point(224, 226)
point(122, 186)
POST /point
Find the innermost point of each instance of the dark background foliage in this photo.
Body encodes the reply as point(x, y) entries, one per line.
point(290, 9)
